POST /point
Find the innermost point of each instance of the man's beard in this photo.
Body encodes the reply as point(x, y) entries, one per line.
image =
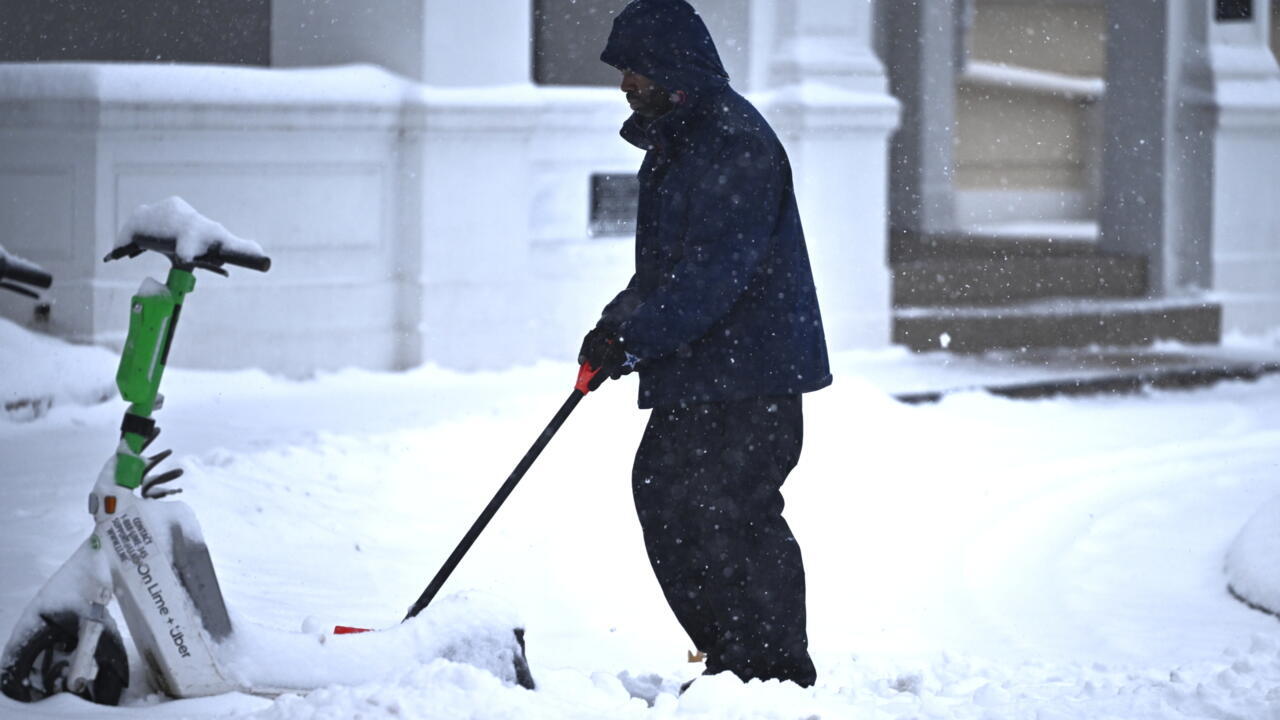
point(651, 103)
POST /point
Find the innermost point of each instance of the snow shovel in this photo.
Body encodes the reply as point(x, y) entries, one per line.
point(580, 390)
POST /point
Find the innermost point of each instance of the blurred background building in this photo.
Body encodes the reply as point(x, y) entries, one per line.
point(442, 181)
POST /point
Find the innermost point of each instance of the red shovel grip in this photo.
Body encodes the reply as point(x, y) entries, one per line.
point(585, 373)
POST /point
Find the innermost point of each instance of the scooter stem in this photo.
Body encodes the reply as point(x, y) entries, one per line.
point(154, 313)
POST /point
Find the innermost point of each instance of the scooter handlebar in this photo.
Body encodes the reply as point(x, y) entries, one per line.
point(21, 272)
point(215, 257)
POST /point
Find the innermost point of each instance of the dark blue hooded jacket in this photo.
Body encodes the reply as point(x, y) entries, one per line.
point(722, 304)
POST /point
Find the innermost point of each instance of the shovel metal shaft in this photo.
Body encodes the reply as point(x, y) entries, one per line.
point(492, 508)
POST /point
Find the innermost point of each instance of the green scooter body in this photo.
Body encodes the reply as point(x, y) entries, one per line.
point(153, 314)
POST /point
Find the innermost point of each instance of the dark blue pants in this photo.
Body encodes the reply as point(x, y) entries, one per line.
point(707, 481)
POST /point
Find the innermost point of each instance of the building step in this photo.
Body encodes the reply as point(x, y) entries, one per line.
point(964, 281)
point(1034, 241)
point(1057, 323)
point(1124, 383)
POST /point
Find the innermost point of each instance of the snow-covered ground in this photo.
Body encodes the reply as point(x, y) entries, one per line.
point(975, 558)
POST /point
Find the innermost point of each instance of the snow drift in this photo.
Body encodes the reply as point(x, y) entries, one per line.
point(1253, 562)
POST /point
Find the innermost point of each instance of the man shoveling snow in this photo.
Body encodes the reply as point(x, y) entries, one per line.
point(721, 319)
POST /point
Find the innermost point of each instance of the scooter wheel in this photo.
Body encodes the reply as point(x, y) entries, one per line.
point(39, 666)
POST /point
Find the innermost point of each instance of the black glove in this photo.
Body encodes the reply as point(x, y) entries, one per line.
point(604, 351)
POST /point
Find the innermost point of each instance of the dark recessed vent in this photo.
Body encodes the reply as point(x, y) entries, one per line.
point(614, 199)
point(1234, 10)
point(225, 32)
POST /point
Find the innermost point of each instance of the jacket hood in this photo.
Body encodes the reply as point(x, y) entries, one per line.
point(667, 42)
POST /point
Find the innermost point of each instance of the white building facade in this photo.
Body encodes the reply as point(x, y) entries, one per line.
point(433, 212)
point(426, 200)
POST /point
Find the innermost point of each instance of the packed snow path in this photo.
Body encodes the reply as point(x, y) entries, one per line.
point(976, 558)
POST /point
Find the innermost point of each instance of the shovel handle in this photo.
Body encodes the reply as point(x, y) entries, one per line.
point(580, 390)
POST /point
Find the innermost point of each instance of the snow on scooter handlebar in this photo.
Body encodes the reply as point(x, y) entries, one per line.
point(146, 552)
point(192, 235)
point(175, 229)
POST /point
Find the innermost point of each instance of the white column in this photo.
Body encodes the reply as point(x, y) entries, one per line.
point(477, 43)
point(468, 153)
point(829, 103)
point(920, 44)
point(444, 43)
point(322, 32)
point(1158, 150)
point(1246, 172)
point(827, 42)
point(475, 183)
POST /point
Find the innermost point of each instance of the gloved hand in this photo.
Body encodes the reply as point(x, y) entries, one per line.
point(605, 352)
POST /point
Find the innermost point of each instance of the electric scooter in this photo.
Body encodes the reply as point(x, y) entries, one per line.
point(147, 556)
point(150, 556)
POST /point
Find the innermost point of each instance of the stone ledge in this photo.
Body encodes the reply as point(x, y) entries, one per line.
point(1121, 383)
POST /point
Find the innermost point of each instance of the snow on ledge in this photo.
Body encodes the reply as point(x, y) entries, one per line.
point(1253, 562)
point(1045, 230)
point(190, 96)
point(234, 85)
point(174, 217)
point(201, 97)
point(989, 74)
point(145, 83)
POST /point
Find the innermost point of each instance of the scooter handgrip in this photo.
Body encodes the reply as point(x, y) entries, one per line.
point(261, 263)
point(24, 273)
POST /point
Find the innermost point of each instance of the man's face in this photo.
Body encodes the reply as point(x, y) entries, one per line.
point(644, 96)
